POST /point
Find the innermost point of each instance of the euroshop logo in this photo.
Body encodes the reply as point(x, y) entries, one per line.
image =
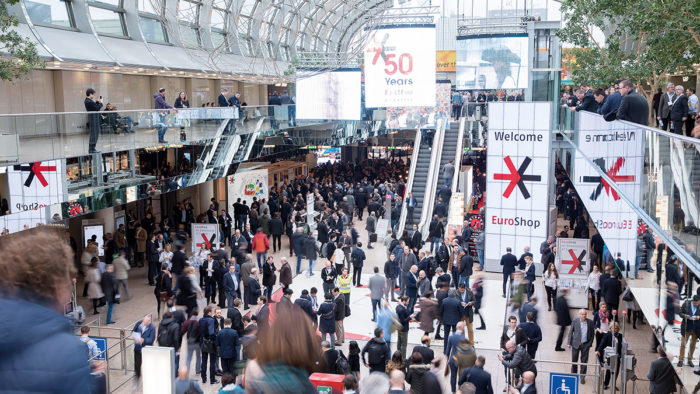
point(517, 177)
point(612, 173)
point(35, 171)
point(575, 261)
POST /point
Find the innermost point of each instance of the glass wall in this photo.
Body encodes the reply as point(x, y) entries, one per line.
point(50, 12)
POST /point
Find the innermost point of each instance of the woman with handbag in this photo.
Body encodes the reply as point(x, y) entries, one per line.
point(163, 289)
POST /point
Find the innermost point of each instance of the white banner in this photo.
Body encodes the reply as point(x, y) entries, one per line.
point(618, 150)
point(35, 185)
point(246, 185)
point(400, 67)
point(517, 171)
point(456, 214)
point(329, 95)
point(204, 234)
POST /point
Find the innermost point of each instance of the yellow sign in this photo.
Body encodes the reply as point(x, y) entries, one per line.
point(446, 60)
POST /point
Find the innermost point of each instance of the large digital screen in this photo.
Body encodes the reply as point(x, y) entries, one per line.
point(329, 95)
point(400, 67)
point(492, 62)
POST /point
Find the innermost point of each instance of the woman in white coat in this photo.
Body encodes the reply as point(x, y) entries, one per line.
point(93, 278)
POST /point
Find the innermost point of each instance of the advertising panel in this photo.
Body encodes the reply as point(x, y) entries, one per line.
point(329, 95)
point(517, 169)
point(446, 61)
point(618, 150)
point(572, 257)
point(399, 64)
point(35, 185)
point(246, 185)
point(204, 234)
point(492, 62)
point(421, 117)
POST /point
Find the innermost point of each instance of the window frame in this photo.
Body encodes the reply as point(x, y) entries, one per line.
point(119, 10)
point(69, 12)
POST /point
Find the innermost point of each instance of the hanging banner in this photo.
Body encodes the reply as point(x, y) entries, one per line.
point(446, 61)
point(246, 185)
point(204, 234)
point(399, 67)
point(35, 185)
point(617, 149)
point(517, 170)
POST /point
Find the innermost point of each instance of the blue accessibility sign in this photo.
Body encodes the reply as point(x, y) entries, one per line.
point(563, 383)
point(101, 347)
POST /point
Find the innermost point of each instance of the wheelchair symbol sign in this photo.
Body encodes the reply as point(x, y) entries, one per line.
point(563, 383)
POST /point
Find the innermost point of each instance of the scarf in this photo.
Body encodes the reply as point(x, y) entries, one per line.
point(603, 316)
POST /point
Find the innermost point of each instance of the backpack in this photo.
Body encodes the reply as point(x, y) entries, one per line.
point(164, 337)
point(432, 267)
point(377, 353)
point(193, 332)
point(342, 366)
point(356, 259)
point(324, 250)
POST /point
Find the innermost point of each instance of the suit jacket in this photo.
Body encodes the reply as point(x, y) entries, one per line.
point(253, 290)
point(508, 261)
point(521, 261)
point(611, 103)
point(527, 307)
point(588, 103)
point(263, 317)
point(305, 305)
point(664, 109)
point(149, 336)
point(575, 334)
point(178, 262)
point(236, 320)
point(230, 284)
point(223, 102)
point(411, 285)
point(404, 316)
point(662, 377)
point(339, 307)
point(451, 311)
point(534, 334)
point(466, 265)
point(634, 108)
point(426, 352)
point(480, 378)
point(529, 390)
point(227, 342)
point(679, 109)
point(611, 290)
point(417, 240)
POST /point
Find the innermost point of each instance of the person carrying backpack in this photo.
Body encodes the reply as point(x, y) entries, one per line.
point(377, 352)
point(190, 328)
point(169, 336)
point(336, 362)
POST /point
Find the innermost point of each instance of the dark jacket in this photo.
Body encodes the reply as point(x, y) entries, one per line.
point(521, 360)
point(253, 291)
point(276, 226)
point(305, 305)
point(269, 277)
point(426, 352)
point(610, 290)
point(309, 248)
point(377, 353)
point(169, 333)
point(286, 274)
point(534, 334)
point(679, 109)
point(480, 378)
point(389, 269)
point(634, 108)
point(689, 325)
point(178, 262)
point(611, 103)
point(179, 103)
point(326, 311)
point(588, 103)
point(339, 307)
point(227, 341)
point(404, 316)
point(39, 351)
point(662, 377)
point(466, 265)
point(509, 261)
point(149, 336)
point(561, 307)
point(186, 295)
point(411, 285)
point(236, 320)
point(159, 101)
point(223, 102)
point(451, 311)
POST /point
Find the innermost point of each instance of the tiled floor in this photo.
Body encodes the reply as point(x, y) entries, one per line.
point(143, 302)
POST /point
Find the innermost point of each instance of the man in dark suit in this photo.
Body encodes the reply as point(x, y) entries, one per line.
point(451, 311)
point(478, 377)
point(227, 345)
point(234, 314)
point(254, 289)
point(521, 261)
point(416, 239)
point(412, 287)
point(404, 316)
point(561, 307)
point(424, 349)
point(230, 285)
point(528, 307)
point(662, 377)
point(690, 313)
point(147, 335)
point(508, 261)
point(304, 302)
point(533, 332)
point(222, 100)
point(586, 101)
point(580, 341)
point(262, 314)
point(611, 290)
point(678, 112)
point(633, 107)
point(665, 102)
point(179, 260)
point(92, 105)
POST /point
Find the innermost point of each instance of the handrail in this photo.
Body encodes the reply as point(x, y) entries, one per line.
point(458, 155)
point(409, 181)
point(433, 175)
point(136, 110)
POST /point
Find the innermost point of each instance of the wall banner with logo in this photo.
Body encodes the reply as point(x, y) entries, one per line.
point(617, 149)
point(517, 171)
point(399, 65)
point(35, 185)
point(246, 185)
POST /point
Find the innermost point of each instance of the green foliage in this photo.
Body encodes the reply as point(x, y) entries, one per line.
point(19, 55)
point(646, 39)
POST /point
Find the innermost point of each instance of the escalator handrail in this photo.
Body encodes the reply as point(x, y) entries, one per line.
point(458, 156)
point(409, 182)
point(432, 179)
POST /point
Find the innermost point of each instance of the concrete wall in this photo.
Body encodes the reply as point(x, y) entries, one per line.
point(64, 91)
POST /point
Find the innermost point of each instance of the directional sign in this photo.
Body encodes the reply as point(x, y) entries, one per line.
point(575, 261)
point(563, 383)
point(204, 234)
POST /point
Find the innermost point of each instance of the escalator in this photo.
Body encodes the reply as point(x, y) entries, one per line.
point(420, 178)
point(231, 149)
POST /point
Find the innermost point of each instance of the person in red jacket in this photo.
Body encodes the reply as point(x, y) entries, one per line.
point(260, 246)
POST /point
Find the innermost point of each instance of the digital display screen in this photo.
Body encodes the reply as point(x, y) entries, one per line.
point(492, 62)
point(329, 95)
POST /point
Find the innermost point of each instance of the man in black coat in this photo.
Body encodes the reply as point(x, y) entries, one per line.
point(633, 107)
point(508, 261)
point(304, 303)
point(234, 314)
point(587, 100)
point(254, 289)
point(92, 105)
point(611, 290)
point(179, 260)
point(561, 307)
point(662, 377)
point(424, 349)
point(478, 377)
point(679, 111)
point(416, 239)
